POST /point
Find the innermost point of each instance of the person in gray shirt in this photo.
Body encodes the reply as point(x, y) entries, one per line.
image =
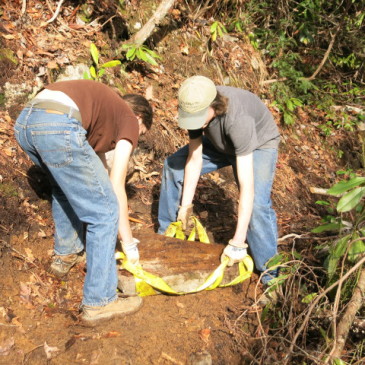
point(226, 126)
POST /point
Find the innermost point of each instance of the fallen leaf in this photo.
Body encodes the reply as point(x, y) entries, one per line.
point(41, 234)
point(8, 36)
point(25, 292)
point(149, 93)
point(19, 54)
point(8, 151)
point(6, 346)
point(205, 334)
point(112, 334)
point(29, 253)
point(49, 350)
point(95, 357)
point(52, 65)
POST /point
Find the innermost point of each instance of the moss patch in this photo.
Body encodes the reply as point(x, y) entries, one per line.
point(8, 54)
point(8, 190)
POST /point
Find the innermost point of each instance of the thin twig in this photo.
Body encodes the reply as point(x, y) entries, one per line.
point(316, 300)
point(171, 359)
point(8, 325)
point(290, 235)
point(29, 352)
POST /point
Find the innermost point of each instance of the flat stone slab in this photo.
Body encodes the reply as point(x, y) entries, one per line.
point(183, 265)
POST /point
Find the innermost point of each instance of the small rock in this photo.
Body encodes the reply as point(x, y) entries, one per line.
point(200, 358)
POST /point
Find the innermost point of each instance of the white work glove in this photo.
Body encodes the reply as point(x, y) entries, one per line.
point(183, 215)
point(131, 251)
point(234, 253)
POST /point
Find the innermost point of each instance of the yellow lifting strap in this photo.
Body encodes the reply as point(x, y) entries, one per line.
point(175, 230)
point(148, 284)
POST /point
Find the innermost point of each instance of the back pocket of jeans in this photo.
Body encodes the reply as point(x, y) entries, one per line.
point(54, 147)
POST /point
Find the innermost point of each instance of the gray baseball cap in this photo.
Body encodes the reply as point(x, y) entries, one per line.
point(195, 96)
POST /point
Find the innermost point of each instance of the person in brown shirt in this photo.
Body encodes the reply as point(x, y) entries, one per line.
point(66, 130)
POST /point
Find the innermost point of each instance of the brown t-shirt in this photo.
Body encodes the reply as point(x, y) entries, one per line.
point(106, 117)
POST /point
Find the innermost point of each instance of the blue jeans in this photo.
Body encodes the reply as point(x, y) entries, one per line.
point(262, 230)
point(82, 194)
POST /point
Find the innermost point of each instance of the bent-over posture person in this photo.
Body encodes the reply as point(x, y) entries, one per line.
point(66, 130)
point(227, 126)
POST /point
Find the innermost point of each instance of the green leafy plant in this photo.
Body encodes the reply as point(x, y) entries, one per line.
point(287, 107)
point(142, 53)
point(217, 29)
point(97, 70)
point(350, 243)
point(237, 25)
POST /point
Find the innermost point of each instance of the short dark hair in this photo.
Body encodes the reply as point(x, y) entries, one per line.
point(141, 107)
point(220, 104)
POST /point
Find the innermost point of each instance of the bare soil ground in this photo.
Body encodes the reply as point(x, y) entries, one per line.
point(39, 316)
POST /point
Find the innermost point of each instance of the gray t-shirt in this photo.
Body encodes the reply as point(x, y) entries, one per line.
point(247, 125)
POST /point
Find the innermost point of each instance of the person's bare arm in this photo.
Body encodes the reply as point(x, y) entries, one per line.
point(192, 170)
point(118, 175)
point(246, 197)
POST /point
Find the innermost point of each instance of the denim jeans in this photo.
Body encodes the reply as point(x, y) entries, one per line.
point(82, 194)
point(262, 230)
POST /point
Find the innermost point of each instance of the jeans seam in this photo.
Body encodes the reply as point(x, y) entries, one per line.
point(98, 182)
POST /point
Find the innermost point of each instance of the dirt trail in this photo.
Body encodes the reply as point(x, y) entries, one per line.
point(41, 316)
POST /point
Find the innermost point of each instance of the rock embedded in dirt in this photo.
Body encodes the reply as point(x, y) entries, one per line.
point(200, 358)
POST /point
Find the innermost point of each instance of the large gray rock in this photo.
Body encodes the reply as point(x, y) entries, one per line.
point(74, 72)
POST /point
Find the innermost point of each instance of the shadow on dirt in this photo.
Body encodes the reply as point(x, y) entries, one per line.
point(212, 205)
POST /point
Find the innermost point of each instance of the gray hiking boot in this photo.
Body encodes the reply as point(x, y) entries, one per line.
point(120, 307)
point(61, 265)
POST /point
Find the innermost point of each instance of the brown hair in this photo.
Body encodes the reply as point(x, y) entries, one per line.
point(141, 107)
point(220, 104)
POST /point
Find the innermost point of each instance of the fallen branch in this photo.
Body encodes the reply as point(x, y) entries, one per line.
point(55, 15)
point(140, 37)
point(346, 321)
point(171, 359)
point(320, 66)
point(265, 82)
point(135, 220)
point(24, 7)
point(322, 191)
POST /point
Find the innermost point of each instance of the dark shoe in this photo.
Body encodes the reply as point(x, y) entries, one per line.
point(118, 308)
point(61, 265)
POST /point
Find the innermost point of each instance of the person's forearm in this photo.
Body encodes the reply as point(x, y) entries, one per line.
point(244, 215)
point(191, 177)
point(247, 192)
point(124, 229)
